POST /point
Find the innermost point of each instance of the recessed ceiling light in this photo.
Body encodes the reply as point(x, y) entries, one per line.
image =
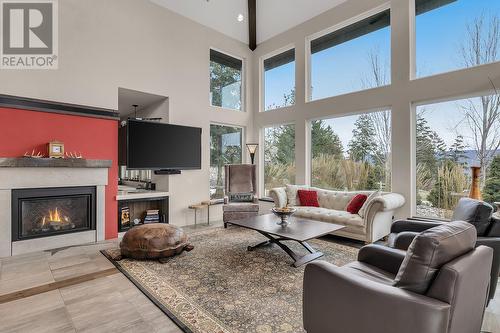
point(240, 18)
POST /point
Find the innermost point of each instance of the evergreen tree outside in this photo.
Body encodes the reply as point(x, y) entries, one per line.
point(362, 146)
point(325, 141)
point(222, 76)
point(426, 151)
point(457, 150)
point(221, 155)
point(491, 191)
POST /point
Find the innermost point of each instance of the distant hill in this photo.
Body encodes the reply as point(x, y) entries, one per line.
point(470, 157)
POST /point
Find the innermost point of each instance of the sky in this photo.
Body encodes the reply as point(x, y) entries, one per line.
point(341, 69)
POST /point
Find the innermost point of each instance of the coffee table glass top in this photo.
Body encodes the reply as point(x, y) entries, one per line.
point(298, 229)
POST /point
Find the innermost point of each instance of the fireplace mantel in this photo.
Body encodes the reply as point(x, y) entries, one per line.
point(50, 176)
point(23, 162)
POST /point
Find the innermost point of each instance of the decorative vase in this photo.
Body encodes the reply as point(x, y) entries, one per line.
point(283, 214)
point(475, 190)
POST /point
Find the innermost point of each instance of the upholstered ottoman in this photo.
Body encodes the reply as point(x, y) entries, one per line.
point(154, 241)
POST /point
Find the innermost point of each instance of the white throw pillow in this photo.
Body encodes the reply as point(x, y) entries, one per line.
point(291, 193)
point(372, 196)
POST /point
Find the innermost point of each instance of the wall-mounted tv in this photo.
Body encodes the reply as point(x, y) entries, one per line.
point(152, 145)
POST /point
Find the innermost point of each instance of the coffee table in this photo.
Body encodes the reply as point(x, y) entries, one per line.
point(299, 230)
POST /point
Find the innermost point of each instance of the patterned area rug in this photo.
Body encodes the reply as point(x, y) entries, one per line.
point(221, 287)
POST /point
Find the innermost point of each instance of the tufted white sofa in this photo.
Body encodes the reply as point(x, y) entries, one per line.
point(372, 223)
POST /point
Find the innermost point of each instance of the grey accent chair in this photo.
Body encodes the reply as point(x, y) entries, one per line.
point(440, 285)
point(239, 178)
point(476, 212)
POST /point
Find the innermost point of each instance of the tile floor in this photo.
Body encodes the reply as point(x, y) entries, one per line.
point(106, 304)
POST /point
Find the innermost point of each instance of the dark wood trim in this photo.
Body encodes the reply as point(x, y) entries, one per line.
point(252, 24)
point(24, 103)
point(56, 285)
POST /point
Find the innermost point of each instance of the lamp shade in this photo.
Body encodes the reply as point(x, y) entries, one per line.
point(252, 147)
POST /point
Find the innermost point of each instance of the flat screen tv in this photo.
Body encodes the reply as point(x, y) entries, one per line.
point(153, 145)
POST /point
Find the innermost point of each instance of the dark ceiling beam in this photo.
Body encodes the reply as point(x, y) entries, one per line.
point(252, 24)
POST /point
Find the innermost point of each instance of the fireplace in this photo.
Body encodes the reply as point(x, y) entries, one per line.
point(44, 212)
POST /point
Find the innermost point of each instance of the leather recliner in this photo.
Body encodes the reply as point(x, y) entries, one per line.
point(475, 212)
point(440, 285)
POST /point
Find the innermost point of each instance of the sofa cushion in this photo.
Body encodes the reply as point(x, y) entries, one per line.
point(356, 203)
point(292, 195)
point(476, 212)
point(432, 249)
point(308, 198)
point(337, 200)
point(329, 215)
point(373, 195)
point(241, 207)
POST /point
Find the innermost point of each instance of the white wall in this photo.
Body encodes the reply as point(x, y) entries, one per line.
point(400, 96)
point(138, 45)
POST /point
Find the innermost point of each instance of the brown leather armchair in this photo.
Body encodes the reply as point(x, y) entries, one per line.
point(439, 285)
point(476, 212)
point(240, 180)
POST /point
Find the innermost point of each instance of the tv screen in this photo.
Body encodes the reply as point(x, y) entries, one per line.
point(156, 146)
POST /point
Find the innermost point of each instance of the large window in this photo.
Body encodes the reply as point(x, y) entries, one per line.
point(353, 58)
point(450, 138)
point(454, 34)
point(279, 156)
point(225, 148)
point(225, 81)
point(279, 80)
point(352, 153)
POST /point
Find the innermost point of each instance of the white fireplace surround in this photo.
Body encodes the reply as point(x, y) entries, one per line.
point(43, 177)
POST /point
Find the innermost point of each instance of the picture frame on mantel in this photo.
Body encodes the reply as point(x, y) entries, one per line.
point(56, 149)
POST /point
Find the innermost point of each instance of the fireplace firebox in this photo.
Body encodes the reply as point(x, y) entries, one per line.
point(43, 212)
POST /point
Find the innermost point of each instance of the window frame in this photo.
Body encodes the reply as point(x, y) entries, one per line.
point(243, 81)
point(243, 146)
point(414, 54)
point(262, 160)
point(308, 65)
point(309, 154)
point(262, 83)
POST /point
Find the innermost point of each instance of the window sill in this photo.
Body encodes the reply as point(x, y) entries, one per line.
point(220, 108)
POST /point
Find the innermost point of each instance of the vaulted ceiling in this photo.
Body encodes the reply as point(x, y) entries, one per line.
point(273, 16)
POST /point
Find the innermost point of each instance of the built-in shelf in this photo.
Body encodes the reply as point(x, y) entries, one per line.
point(27, 162)
point(140, 194)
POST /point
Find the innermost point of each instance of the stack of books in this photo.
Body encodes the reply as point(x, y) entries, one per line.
point(152, 216)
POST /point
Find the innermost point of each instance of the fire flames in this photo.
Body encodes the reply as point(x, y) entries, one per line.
point(54, 217)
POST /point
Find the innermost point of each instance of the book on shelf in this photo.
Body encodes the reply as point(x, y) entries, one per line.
point(125, 216)
point(152, 216)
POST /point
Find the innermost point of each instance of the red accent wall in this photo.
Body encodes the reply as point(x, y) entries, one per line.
point(22, 130)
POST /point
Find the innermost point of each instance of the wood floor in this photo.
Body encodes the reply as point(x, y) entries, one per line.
point(77, 289)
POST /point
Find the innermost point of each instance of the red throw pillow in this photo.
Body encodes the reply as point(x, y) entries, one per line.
point(308, 198)
point(356, 203)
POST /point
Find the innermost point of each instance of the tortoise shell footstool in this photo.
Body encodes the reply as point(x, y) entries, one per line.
point(154, 241)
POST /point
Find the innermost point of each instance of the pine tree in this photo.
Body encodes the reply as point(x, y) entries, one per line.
point(324, 140)
point(426, 151)
point(222, 76)
point(362, 145)
point(440, 146)
point(457, 150)
point(491, 192)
